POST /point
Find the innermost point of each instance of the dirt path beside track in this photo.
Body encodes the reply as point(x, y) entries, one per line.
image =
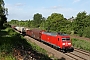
point(80, 38)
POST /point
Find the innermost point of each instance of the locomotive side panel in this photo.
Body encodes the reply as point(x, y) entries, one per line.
point(49, 38)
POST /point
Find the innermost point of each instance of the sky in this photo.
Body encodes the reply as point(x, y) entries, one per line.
point(25, 9)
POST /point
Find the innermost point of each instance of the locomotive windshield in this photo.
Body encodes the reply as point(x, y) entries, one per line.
point(65, 39)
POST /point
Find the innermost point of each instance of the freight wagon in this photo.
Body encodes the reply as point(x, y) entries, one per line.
point(13, 27)
point(36, 33)
point(28, 32)
point(20, 29)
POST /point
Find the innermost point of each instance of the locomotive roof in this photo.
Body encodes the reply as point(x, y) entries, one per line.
point(36, 29)
point(55, 34)
point(49, 33)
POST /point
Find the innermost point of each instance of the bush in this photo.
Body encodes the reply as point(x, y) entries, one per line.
point(82, 44)
point(6, 25)
point(86, 32)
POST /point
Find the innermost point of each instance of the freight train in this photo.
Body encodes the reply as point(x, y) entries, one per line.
point(58, 40)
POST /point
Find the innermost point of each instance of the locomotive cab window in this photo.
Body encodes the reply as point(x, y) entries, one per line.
point(58, 39)
point(67, 38)
point(64, 39)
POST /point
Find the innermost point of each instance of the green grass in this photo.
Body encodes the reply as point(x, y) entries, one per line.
point(37, 48)
point(10, 40)
point(82, 44)
point(6, 35)
point(7, 57)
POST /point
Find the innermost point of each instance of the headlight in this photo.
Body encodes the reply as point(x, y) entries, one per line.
point(69, 43)
point(63, 43)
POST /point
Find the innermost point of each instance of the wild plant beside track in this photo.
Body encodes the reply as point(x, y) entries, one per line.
point(82, 44)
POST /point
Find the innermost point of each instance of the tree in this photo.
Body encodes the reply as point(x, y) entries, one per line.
point(14, 22)
point(37, 19)
point(56, 22)
point(42, 26)
point(86, 30)
point(3, 13)
point(79, 22)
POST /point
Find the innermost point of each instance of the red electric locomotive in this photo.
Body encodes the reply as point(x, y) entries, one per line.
point(61, 41)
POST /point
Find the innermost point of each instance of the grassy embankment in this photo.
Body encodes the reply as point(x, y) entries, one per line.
point(82, 44)
point(10, 40)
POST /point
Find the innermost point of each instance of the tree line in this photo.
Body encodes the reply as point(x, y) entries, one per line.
point(3, 13)
point(79, 25)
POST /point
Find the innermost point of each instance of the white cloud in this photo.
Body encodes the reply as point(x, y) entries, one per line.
point(67, 12)
point(19, 4)
point(56, 7)
point(24, 14)
point(16, 12)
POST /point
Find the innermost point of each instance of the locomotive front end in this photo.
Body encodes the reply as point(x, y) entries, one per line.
point(67, 44)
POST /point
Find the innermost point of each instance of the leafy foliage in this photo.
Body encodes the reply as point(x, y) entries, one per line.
point(3, 13)
point(37, 19)
point(81, 23)
point(57, 23)
point(86, 32)
point(82, 44)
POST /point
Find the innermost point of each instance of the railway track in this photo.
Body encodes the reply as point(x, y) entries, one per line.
point(82, 51)
point(79, 54)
